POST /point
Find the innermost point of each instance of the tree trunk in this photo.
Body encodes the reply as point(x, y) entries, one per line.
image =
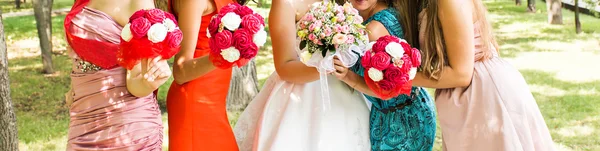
point(18, 3)
point(43, 11)
point(554, 11)
point(531, 5)
point(243, 87)
point(8, 123)
point(518, 2)
point(577, 23)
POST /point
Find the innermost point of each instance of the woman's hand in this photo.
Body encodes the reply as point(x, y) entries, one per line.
point(341, 71)
point(157, 73)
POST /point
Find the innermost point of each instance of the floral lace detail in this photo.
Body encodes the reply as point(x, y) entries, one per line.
point(411, 127)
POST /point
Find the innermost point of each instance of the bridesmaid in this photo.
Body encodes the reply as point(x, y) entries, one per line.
point(197, 97)
point(483, 102)
point(404, 122)
point(112, 108)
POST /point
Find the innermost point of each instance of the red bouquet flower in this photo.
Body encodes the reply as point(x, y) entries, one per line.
point(390, 66)
point(235, 33)
point(149, 34)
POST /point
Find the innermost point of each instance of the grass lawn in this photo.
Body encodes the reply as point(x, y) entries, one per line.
point(567, 93)
point(9, 6)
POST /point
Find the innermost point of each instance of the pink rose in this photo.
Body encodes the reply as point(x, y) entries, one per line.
point(328, 31)
point(380, 61)
point(322, 35)
point(155, 15)
point(407, 64)
point(415, 56)
point(213, 26)
point(340, 17)
point(223, 39)
point(346, 29)
point(350, 39)
point(386, 85)
point(174, 38)
point(394, 74)
point(388, 38)
point(358, 20)
point(243, 10)
point(339, 39)
point(309, 17)
point(379, 46)
point(338, 28)
point(251, 22)
point(139, 27)
point(137, 14)
point(228, 8)
point(339, 9)
point(243, 42)
point(312, 37)
point(365, 60)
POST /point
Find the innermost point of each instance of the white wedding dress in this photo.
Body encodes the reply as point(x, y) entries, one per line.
point(291, 117)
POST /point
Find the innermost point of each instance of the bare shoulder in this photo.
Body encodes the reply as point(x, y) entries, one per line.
point(376, 30)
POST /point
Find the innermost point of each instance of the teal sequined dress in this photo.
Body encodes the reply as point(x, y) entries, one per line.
point(401, 123)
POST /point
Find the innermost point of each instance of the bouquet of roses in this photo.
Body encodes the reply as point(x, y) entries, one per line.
point(235, 33)
point(329, 30)
point(149, 34)
point(328, 27)
point(390, 65)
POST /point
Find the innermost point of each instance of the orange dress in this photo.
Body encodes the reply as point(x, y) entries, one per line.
point(197, 109)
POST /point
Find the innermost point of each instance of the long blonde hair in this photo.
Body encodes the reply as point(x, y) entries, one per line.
point(434, 49)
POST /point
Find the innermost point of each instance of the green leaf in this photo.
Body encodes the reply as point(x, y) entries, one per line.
point(302, 44)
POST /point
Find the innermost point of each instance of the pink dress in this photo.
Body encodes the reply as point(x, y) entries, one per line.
point(104, 115)
point(496, 112)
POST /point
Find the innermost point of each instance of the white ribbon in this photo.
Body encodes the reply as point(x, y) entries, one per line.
point(347, 54)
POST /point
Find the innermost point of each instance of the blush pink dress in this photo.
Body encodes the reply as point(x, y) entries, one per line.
point(496, 112)
point(104, 115)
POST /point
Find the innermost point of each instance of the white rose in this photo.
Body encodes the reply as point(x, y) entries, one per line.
point(305, 56)
point(370, 45)
point(231, 21)
point(412, 73)
point(126, 33)
point(170, 25)
point(395, 50)
point(375, 74)
point(260, 38)
point(230, 54)
point(208, 33)
point(157, 33)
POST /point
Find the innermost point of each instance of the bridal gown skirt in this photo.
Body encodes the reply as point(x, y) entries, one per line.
point(290, 117)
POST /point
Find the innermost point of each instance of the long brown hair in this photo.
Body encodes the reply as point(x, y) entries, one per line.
point(434, 49)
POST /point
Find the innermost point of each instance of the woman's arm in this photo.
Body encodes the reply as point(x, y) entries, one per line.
point(282, 20)
point(456, 17)
point(186, 67)
point(354, 80)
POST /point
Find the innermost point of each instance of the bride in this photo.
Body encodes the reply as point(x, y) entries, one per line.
point(288, 113)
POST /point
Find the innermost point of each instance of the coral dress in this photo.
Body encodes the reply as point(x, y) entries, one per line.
point(496, 112)
point(197, 109)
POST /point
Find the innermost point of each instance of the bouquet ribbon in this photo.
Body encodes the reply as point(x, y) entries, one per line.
point(348, 55)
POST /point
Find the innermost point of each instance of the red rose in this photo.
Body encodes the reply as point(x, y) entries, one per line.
point(394, 74)
point(386, 85)
point(139, 27)
point(137, 14)
point(174, 38)
point(415, 56)
point(407, 63)
point(379, 46)
point(251, 22)
point(223, 39)
point(171, 17)
point(212, 43)
point(380, 61)
point(155, 15)
point(213, 26)
point(243, 10)
point(388, 39)
point(366, 60)
point(243, 42)
point(407, 47)
point(228, 9)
